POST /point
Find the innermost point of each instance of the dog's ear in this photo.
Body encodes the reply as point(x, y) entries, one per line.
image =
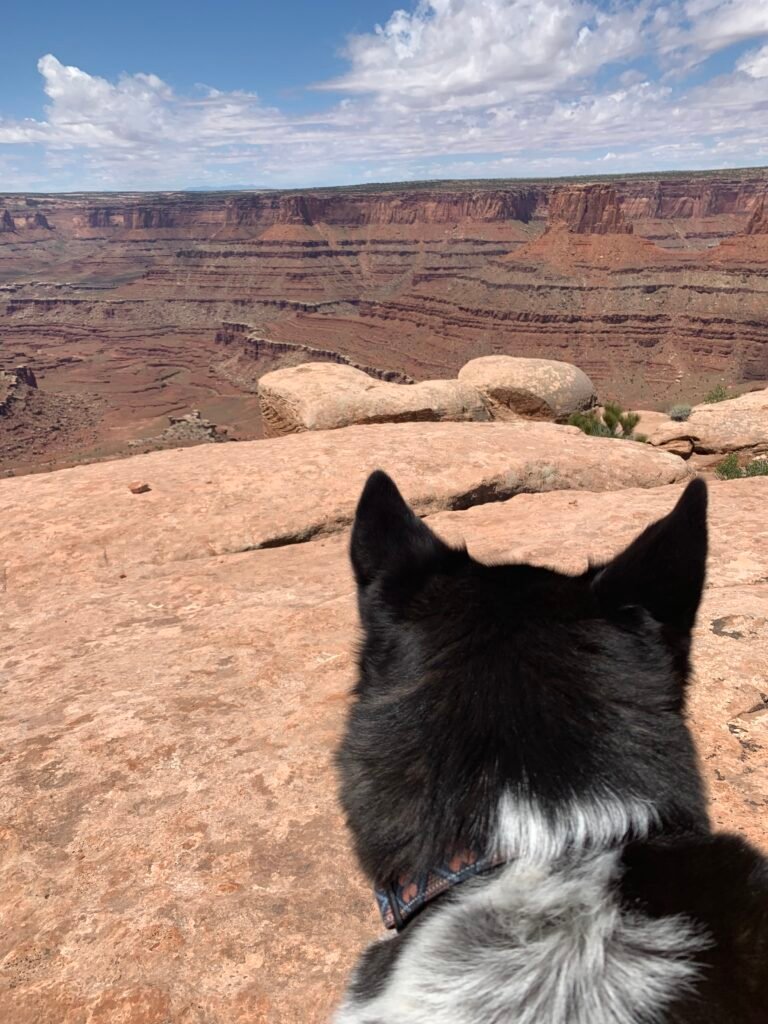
point(386, 534)
point(663, 570)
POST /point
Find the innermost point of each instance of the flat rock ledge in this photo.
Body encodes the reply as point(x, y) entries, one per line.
point(223, 499)
point(172, 850)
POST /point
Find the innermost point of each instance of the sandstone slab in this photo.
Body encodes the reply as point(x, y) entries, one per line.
point(324, 396)
point(171, 845)
point(534, 388)
point(735, 425)
point(221, 499)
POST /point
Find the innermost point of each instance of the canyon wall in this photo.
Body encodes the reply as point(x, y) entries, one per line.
point(656, 286)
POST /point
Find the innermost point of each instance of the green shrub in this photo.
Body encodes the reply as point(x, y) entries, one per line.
point(680, 413)
point(613, 423)
point(719, 393)
point(729, 468)
point(590, 423)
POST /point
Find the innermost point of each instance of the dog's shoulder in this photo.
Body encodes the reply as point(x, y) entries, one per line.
point(720, 883)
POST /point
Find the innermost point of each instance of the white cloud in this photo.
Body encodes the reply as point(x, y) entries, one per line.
point(755, 64)
point(494, 86)
point(454, 54)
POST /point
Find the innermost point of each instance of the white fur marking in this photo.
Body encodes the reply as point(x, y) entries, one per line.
point(524, 831)
point(545, 941)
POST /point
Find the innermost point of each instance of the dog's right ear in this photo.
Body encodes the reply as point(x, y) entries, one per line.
point(663, 569)
point(387, 535)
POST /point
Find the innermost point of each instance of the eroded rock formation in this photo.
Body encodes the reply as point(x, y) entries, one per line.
point(735, 425)
point(325, 396)
point(758, 222)
point(588, 210)
point(542, 389)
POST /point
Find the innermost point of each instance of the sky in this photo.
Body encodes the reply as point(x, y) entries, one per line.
point(298, 93)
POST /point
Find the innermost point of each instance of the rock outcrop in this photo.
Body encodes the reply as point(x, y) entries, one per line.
point(189, 428)
point(7, 224)
point(539, 389)
point(735, 425)
point(172, 848)
point(588, 210)
point(14, 385)
point(256, 349)
point(325, 396)
point(319, 396)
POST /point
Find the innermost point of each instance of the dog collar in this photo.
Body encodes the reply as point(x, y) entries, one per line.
point(410, 893)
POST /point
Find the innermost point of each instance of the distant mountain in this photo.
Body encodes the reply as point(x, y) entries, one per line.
point(226, 188)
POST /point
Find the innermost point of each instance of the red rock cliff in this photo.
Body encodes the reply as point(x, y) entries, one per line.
point(588, 210)
point(758, 222)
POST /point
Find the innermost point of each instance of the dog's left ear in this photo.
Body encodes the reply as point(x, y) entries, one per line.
point(387, 535)
point(663, 570)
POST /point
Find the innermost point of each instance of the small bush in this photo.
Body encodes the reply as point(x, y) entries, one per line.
point(729, 468)
point(719, 393)
point(614, 423)
point(758, 467)
point(680, 413)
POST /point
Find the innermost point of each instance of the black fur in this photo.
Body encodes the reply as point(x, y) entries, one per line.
point(478, 679)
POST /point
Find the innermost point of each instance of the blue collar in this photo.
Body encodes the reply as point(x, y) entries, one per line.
point(409, 894)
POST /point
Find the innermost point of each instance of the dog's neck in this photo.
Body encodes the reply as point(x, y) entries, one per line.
point(400, 902)
point(523, 832)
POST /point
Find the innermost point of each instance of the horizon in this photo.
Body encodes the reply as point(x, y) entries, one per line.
point(366, 92)
point(415, 184)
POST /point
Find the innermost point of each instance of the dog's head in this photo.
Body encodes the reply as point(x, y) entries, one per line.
point(501, 705)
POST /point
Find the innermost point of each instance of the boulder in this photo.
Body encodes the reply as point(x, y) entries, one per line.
point(324, 396)
point(221, 499)
point(542, 389)
point(172, 846)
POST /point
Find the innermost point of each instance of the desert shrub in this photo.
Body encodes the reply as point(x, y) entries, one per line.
point(680, 413)
point(590, 423)
point(729, 468)
point(613, 423)
point(719, 393)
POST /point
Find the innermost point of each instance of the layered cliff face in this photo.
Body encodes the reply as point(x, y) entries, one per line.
point(588, 210)
point(657, 288)
point(758, 221)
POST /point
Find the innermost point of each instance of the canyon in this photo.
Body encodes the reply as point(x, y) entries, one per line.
point(130, 309)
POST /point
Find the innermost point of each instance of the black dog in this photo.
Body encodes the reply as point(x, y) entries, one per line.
point(523, 791)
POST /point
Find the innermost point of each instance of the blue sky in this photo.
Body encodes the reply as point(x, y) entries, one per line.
point(168, 95)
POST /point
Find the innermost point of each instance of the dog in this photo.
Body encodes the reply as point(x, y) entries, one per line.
point(522, 788)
